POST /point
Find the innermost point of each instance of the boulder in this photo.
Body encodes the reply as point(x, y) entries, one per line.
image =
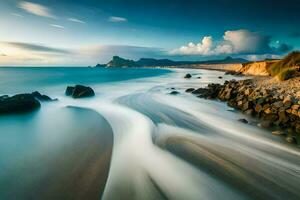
point(258, 108)
point(18, 104)
point(79, 91)
point(249, 112)
point(174, 92)
point(210, 92)
point(291, 139)
point(41, 97)
point(243, 121)
point(278, 132)
point(265, 124)
point(188, 76)
point(69, 91)
point(189, 90)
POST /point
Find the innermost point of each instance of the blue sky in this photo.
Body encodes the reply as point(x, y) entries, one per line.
point(73, 32)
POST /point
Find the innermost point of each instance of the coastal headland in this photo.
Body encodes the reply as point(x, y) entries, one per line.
point(271, 93)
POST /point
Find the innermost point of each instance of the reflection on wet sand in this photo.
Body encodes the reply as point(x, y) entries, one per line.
point(65, 162)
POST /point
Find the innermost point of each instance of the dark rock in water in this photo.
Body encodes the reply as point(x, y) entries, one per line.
point(188, 76)
point(243, 121)
point(233, 73)
point(4, 97)
point(174, 92)
point(189, 90)
point(199, 77)
point(69, 91)
point(41, 97)
point(291, 139)
point(18, 104)
point(79, 91)
point(220, 77)
point(210, 92)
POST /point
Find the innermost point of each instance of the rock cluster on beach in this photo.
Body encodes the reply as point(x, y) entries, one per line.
point(273, 107)
point(21, 103)
point(18, 103)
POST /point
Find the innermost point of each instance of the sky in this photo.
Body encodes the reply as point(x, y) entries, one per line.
point(86, 32)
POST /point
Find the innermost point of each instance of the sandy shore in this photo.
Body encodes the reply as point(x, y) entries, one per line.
point(77, 168)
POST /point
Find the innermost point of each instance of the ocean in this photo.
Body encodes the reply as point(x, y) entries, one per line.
point(135, 140)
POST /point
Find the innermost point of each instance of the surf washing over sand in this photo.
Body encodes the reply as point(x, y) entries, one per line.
point(134, 140)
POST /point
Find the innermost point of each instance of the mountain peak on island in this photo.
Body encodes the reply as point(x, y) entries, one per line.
point(118, 61)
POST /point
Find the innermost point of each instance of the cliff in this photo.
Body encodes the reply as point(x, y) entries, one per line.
point(282, 69)
point(259, 68)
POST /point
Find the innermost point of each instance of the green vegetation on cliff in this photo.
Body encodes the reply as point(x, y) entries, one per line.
point(286, 68)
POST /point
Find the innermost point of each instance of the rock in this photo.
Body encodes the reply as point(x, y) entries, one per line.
point(69, 91)
point(189, 90)
point(199, 77)
point(298, 94)
point(174, 92)
point(18, 103)
point(248, 91)
point(249, 112)
point(188, 76)
point(3, 97)
point(282, 116)
point(278, 104)
point(246, 106)
point(295, 107)
point(220, 77)
point(291, 139)
point(210, 92)
point(79, 91)
point(265, 124)
point(268, 110)
point(278, 132)
point(41, 97)
point(243, 121)
point(258, 108)
point(297, 128)
point(287, 101)
point(233, 73)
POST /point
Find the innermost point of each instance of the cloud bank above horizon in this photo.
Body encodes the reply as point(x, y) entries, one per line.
point(238, 42)
point(75, 32)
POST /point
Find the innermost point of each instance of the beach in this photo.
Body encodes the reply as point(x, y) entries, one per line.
point(137, 139)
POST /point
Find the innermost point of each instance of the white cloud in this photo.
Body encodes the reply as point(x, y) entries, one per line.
point(36, 9)
point(117, 19)
point(204, 47)
point(76, 20)
point(244, 41)
point(57, 26)
point(234, 42)
point(17, 15)
point(30, 54)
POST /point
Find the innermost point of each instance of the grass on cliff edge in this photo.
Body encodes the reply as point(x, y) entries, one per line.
point(286, 68)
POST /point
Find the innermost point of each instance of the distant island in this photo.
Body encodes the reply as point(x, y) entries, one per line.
point(151, 62)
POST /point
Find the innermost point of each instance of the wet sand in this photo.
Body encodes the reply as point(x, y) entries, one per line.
point(72, 167)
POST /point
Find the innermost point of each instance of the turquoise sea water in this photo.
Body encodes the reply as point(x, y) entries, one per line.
point(134, 140)
point(44, 79)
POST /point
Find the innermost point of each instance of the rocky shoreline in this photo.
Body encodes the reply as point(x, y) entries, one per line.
point(276, 107)
point(22, 103)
